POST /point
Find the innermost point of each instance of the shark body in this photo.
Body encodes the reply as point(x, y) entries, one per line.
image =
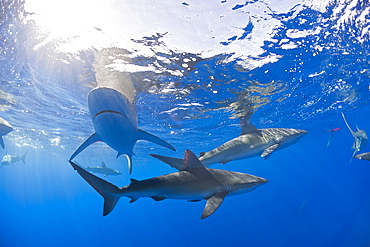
point(251, 143)
point(115, 123)
point(103, 169)
point(194, 183)
point(5, 128)
point(360, 137)
point(364, 156)
point(10, 160)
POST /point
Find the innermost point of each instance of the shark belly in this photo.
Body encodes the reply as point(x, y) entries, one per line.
point(117, 131)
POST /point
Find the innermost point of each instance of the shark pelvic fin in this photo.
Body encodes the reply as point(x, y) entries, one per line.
point(213, 203)
point(108, 191)
point(2, 142)
point(268, 151)
point(157, 198)
point(174, 162)
point(143, 135)
point(93, 138)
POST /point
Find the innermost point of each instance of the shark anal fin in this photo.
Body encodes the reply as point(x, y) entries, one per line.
point(268, 151)
point(174, 162)
point(213, 203)
point(2, 142)
point(108, 191)
point(143, 135)
point(157, 198)
point(93, 138)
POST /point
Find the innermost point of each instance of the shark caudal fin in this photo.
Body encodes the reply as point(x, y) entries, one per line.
point(93, 138)
point(108, 191)
point(174, 162)
point(23, 158)
point(143, 135)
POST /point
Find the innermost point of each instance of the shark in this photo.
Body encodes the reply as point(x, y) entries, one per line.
point(360, 137)
point(364, 156)
point(103, 169)
point(250, 143)
point(11, 159)
point(5, 128)
point(115, 123)
point(194, 182)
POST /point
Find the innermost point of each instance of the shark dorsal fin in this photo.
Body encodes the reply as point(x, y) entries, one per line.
point(246, 125)
point(133, 181)
point(191, 161)
point(103, 164)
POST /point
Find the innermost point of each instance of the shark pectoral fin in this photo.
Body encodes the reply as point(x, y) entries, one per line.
point(174, 162)
point(108, 191)
point(143, 135)
point(345, 121)
point(268, 151)
point(2, 142)
point(213, 203)
point(93, 138)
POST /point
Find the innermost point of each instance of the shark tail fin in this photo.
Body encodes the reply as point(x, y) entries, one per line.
point(23, 158)
point(174, 162)
point(143, 135)
point(2, 142)
point(108, 191)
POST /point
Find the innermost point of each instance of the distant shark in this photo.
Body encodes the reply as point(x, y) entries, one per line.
point(116, 123)
point(252, 142)
point(194, 183)
point(103, 169)
point(360, 137)
point(11, 159)
point(5, 128)
point(364, 156)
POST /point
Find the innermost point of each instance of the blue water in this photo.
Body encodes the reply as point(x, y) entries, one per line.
point(310, 67)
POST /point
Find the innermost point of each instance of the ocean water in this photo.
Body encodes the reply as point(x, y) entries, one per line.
point(192, 69)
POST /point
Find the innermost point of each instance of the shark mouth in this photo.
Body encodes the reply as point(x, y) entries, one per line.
point(110, 111)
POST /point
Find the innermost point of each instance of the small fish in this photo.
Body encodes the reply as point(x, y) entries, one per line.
point(103, 169)
point(10, 159)
point(360, 137)
point(5, 128)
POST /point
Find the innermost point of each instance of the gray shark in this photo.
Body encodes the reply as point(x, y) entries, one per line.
point(11, 159)
point(193, 182)
point(364, 156)
point(252, 142)
point(5, 128)
point(360, 137)
point(103, 169)
point(115, 123)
